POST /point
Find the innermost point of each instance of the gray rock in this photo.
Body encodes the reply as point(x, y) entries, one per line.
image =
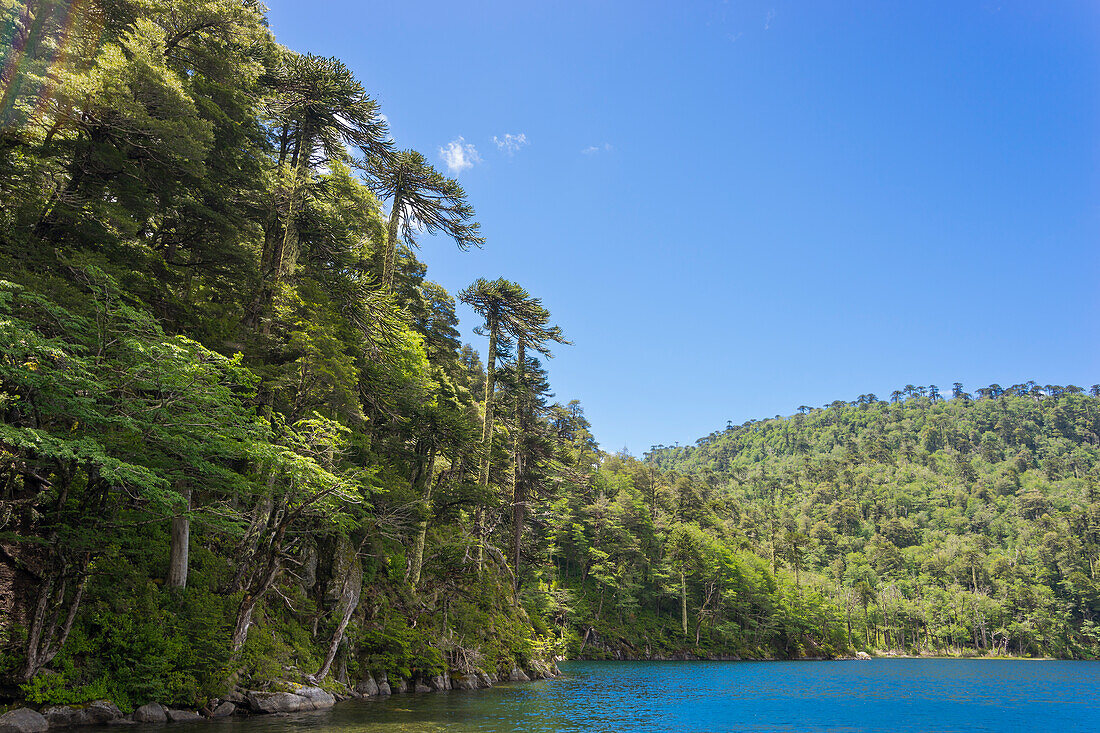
point(549, 669)
point(483, 679)
point(275, 702)
point(461, 681)
point(384, 688)
point(224, 710)
point(421, 687)
point(98, 712)
point(183, 716)
point(439, 683)
point(518, 675)
point(402, 685)
point(102, 711)
point(367, 687)
point(152, 712)
point(314, 698)
point(23, 720)
point(62, 716)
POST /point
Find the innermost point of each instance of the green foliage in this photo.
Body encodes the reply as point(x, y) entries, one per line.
point(138, 642)
point(211, 340)
point(398, 651)
point(951, 526)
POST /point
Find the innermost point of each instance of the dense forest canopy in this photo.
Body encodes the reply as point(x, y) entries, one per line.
point(241, 440)
point(967, 521)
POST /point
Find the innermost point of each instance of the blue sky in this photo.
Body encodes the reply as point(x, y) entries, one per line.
point(736, 208)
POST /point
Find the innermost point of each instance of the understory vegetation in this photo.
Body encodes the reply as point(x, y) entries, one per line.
point(242, 443)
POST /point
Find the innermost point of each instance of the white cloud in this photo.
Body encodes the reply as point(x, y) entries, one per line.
point(768, 20)
point(510, 143)
point(593, 149)
point(459, 155)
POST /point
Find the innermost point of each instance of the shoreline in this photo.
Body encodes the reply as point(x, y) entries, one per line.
point(857, 657)
point(301, 698)
point(244, 703)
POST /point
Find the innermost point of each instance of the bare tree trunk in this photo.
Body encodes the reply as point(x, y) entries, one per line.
point(246, 550)
point(683, 602)
point(259, 587)
point(248, 604)
point(353, 585)
point(392, 230)
point(46, 638)
point(422, 530)
point(181, 536)
point(519, 488)
point(38, 623)
point(487, 433)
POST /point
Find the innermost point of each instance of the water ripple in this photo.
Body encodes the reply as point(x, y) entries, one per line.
point(891, 696)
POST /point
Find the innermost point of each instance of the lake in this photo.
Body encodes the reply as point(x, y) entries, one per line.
point(894, 695)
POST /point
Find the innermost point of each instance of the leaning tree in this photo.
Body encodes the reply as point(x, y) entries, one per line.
point(421, 198)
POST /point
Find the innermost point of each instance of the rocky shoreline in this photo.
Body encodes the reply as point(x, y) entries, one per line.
point(294, 699)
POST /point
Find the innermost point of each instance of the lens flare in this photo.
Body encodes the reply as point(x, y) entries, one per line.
point(38, 43)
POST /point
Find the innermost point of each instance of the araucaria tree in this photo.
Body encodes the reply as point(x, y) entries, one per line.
point(420, 198)
point(511, 315)
point(318, 111)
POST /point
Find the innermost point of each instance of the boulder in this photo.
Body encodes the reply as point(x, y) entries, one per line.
point(303, 698)
point(23, 720)
point(400, 686)
point(62, 716)
point(97, 712)
point(483, 679)
point(367, 687)
point(518, 675)
point(152, 712)
point(421, 687)
point(863, 655)
point(439, 683)
point(224, 710)
point(384, 688)
point(275, 702)
point(540, 670)
point(461, 681)
point(314, 698)
point(183, 716)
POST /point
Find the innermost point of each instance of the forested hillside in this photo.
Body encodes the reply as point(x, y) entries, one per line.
point(241, 442)
point(971, 522)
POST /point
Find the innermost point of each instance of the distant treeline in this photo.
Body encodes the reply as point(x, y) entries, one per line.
point(936, 524)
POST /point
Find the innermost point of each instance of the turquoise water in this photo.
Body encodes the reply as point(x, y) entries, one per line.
point(891, 695)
